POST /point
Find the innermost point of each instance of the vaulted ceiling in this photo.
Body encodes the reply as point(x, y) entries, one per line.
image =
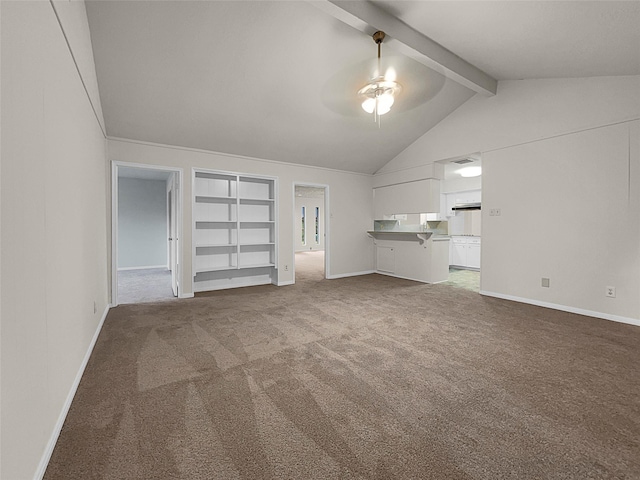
point(277, 80)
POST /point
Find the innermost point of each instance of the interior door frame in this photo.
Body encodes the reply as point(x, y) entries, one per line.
point(327, 218)
point(172, 233)
point(115, 165)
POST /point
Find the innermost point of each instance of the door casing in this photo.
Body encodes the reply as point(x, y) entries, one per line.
point(179, 178)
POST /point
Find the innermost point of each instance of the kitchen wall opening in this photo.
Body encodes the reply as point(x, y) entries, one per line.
point(146, 235)
point(309, 219)
point(460, 208)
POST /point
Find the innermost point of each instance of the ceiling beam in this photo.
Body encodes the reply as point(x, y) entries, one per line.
point(367, 17)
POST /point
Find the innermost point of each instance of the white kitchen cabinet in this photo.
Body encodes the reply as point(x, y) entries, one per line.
point(421, 196)
point(473, 253)
point(465, 252)
point(385, 259)
point(451, 202)
point(415, 256)
point(439, 216)
point(234, 230)
point(459, 251)
point(457, 198)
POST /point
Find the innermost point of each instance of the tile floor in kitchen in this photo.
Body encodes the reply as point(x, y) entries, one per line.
point(467, 279)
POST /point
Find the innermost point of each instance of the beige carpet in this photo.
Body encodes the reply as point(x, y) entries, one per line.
point(367, 377)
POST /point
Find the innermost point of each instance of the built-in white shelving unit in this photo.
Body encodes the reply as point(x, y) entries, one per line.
point(234, 230)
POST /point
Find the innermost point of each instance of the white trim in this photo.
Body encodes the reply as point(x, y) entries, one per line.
point(186, 295)
point(46, 456)
point(120, 269)
point(114, 234)
point(115, 164)
point(351, 274)
point(233, 155)
point(99, 118)
point(564, 308)
point(284, 284)
point(403, 277)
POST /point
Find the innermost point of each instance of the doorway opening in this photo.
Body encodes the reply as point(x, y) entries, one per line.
point(460, 209)
point(146, 223)
point(311, 250)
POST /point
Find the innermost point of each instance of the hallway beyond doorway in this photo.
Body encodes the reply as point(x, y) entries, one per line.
point(310, 266)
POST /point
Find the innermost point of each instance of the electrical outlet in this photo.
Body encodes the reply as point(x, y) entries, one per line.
point(498, 212)
point(286, 268)
point(494, 212)
point(545, 282)
point(95, 307)
point(610, 292)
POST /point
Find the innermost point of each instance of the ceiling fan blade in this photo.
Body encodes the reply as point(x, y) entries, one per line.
point(419, 84)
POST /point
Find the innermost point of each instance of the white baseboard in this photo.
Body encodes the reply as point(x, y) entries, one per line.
point(400, 276)
point(352, 274)
point(46, 456)
point(122, 269)
point(185, 295)
point(409, 278)
point(564, 308)
point(288, 282)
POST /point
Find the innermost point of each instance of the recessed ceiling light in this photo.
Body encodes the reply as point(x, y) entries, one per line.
point(470, 171)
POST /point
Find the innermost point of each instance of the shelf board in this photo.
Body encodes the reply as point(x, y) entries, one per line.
point(215, 269)
point(254, 222)
point(216, 245)
point(256, 244)
point(215, 176)
point(257, 265)
point(252, 179)
point(217, 222)
point(256, 201)
point(212, 199)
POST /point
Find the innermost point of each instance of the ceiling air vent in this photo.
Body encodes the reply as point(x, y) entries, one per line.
point(463, 161)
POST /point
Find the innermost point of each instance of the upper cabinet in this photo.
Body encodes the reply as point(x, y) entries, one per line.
point(457, 198)
point(421, 196)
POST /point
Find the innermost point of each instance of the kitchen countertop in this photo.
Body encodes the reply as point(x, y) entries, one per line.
point(421, 237)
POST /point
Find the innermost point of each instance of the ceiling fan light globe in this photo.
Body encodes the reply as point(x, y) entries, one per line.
point(369, 105)
point(382, 109)
point(385, 102)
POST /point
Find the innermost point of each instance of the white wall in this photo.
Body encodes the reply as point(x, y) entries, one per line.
point(531, 136)
point(574, 218)
point(54, 263)
point(310, 203)
point(350, 215)
point(142, 223)
point(523, 111)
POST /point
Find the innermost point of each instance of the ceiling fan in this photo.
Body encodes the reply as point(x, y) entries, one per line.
point(374, 86)
point(379, 94)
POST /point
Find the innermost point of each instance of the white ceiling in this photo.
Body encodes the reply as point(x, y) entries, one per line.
point(452, 169)
point(277, 80)
point(512, 40)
